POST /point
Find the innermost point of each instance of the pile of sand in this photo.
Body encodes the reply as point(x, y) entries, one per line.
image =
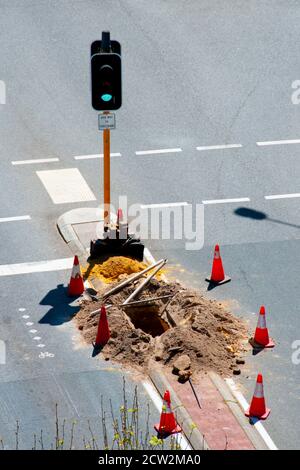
point(111, 269)
point(211, 336)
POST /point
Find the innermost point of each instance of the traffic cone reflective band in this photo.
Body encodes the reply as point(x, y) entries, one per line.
point(258, 407)
point(217, 272)
point(103, 333)
point(76, 286)
point(167, 424)
point(261, 337)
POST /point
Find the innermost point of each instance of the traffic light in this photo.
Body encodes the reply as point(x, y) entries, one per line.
point(106, 81)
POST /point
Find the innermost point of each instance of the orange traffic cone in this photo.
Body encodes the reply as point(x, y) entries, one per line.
point(217, 272)
point(119, 217)
point(167, 424)
point(76, 286)
point(122, 227)
point(261, 336)
point(258, 407)
point(103, 333)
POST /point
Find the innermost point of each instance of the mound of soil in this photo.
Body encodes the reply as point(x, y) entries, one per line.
point(191, 324)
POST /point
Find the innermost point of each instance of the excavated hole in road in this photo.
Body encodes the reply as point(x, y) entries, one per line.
point(147, 320)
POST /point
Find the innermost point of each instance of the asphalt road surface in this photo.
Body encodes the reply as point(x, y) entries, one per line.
point(195, 74)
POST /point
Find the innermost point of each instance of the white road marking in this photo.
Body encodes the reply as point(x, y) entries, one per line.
point(2, 92)
point(36, 160)
point(29, 323)
point(283, 196)
point(225, 201)
point(97, 155)
point(167, 204)
point(40, 346)
point(219, 147)
point(37, 338)
point(15, 219)
point(25, 316)
point(22, 309)
point(42, 355)
point(36, 267)
point(65, 186)
point(33, 331)
point(157, 401)
point(278, 142)
point(245, 405)
point(158, 151)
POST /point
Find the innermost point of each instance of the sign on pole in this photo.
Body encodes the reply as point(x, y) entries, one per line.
point(106, 121)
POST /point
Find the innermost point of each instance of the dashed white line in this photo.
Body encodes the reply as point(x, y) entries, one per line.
point(94, 156)
point(166, 204)
point(37, 338)
point(33, 331)
point(158, 151)
point(2, 92)
point(283, 196)
point(278, 142)
point(34, 161)
point(15, 219)
point(29, 323)
point(25, 316)
point(225, 201)
point(40, 345)
point(22, 309)
point(219, 147)
point(36, 267)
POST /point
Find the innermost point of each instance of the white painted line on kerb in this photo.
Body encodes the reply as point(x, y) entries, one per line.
point(15, 219)
point(148, 256)
point(36, 267)
point(166, 204)
point(226, 201)
point(32, 162)
point(98, 155)
point(245, 405)
point(158, 151)
point(278, 142)
point(157, 401)
point(283, 196)
point(219, 147)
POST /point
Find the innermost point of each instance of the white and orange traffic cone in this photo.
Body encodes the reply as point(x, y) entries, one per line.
point(119, 217)
point(258, 406)
point(167, 424)
point(217, 273)
point(76, 286)
point(122, 226)
point(261, 336)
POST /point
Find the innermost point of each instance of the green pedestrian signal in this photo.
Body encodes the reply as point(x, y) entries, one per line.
point(106, 97)
point(106, 81)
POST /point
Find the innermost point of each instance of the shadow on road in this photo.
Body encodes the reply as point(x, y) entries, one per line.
point(257, 215)
point(61, 310)
point(96, 350)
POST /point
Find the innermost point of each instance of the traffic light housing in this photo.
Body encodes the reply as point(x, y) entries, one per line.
point(106, 81)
